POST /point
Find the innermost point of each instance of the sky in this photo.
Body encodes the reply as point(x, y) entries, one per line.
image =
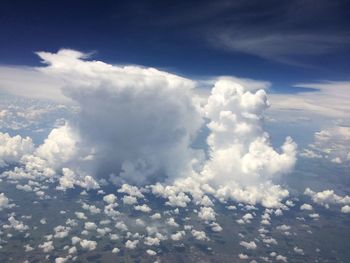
point(160, 130)
point(284, 42)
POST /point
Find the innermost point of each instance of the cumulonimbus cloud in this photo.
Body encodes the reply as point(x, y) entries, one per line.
point(136, 122)
point(136, 125)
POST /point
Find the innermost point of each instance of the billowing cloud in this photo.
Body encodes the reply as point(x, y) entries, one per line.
point(239, 146)
point(242, 164)
point(59, 147)
point(139, 122)
point(12, 149)
point(136, 125)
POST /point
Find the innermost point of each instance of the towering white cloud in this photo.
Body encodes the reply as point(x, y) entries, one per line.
point(242, 164)
point(239, 147)
point(138, 121)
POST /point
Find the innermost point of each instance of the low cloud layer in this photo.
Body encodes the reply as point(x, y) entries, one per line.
point(332, 144)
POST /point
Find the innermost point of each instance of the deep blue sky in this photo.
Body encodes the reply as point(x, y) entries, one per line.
point(282, 41)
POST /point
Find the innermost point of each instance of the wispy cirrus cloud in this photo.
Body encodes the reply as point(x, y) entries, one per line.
point(286, 47)
point(328, 99)
point(292, 33)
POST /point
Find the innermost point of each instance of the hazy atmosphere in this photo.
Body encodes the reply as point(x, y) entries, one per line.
point(187, 131)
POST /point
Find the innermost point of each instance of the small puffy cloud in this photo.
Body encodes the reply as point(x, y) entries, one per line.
point(298, 250)
point(91, 208)
point(205, 201)
point(199, 235)
point(47, 246)
point(327, 197)
point(75, 240)
point(152, 241)
point(103, 231)
point(12, 149)
point(314, 216)
point(72, 250)
point(115, 250)
point(243, 256)
point(215, 227)
point(248, 245)
point(231, 207)
point(281, 258)
point(151, 252)
point(143, 208)
point(61, 231)
point(176, 197)
point(283, 227)
point(156, 216)
point(131, 244)
point(265, 222)
point(129, 200)
point(88, 244)
point(28, 248)
point(121, 226)
point(178, 235)
point(345, 209)
point(207, 213)
point(90, 226)
point(270, 241)
point(179, 200)
point(4, 201)
point(246, 219)
point(131, 190)
point(61, 260)
point(171, 222)
point(110, 199)
point(113, 237)
point(306, 207)
point(15, 224)
point(81, 215)
point(69, 179)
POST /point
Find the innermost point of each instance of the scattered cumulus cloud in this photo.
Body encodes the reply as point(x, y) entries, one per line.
point(331, 143)
point(327, 197)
